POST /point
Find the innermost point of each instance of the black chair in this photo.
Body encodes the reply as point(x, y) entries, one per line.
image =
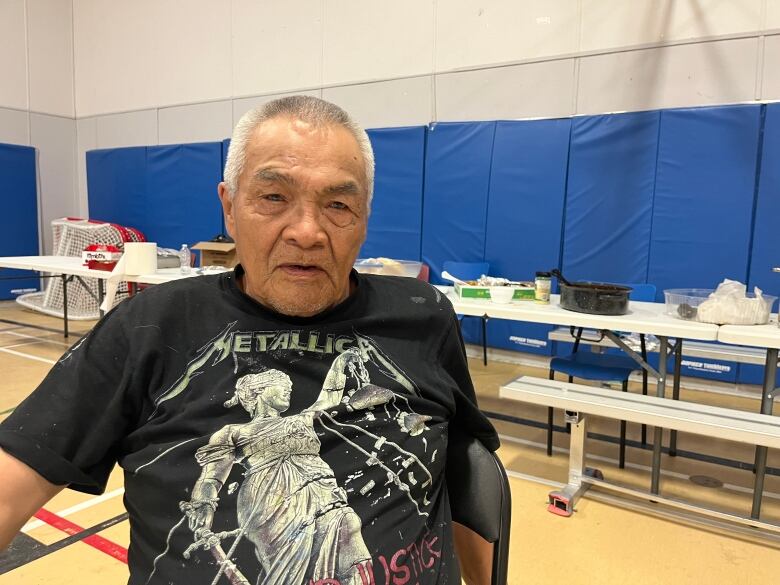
point(480, 498)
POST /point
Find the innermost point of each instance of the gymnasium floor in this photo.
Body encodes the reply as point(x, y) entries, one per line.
point(603, 543)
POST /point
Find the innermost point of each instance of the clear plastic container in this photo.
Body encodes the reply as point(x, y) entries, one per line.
point(388, 267)
point(683, 303)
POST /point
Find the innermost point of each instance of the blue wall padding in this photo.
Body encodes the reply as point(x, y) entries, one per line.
point(395, 224)
point(525, 215)
point(704, 196)
point(182, 188)
point(19, 222)
point(455, 196)
point(609, 199)
point(167, 192)
point(225, 149)
point(709, 369)
point(766, 229)
point(766, 236)
point(116, 183)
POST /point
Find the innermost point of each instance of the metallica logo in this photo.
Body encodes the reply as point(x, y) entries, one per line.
point(260, 341)
point(228, 342)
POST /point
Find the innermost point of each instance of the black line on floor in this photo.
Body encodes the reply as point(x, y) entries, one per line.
point(33, 553)
point(634, 444)
point(22, 547)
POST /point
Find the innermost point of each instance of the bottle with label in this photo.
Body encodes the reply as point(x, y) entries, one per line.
point(185, 259)
point(543, 284)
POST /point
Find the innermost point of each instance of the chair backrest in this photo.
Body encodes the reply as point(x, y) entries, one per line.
point(480, 498)
point(642, 292)
point(466, 270)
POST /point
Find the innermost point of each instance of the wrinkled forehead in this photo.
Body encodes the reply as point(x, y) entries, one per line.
point(287, 142)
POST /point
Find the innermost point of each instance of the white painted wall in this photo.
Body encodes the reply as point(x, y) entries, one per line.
point(161, 71)
point(37, 99)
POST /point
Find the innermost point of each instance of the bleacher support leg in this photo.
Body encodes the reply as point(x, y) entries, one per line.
point(562, 502)
point(770, 377)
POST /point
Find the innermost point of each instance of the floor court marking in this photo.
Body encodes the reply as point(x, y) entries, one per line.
point(22, 343)
point(33, 524)
point(42, 339)
point(28, 356)
point(25, 549)
point(94, 540)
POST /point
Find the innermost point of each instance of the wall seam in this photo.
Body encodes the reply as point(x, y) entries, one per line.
point(489, 183)
point(756, 188)
point(73, 55)
point(652, 204)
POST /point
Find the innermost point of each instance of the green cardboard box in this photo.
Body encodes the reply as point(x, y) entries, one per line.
point(524, 291)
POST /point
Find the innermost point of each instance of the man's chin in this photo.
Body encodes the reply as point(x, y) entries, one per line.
point(304, 301)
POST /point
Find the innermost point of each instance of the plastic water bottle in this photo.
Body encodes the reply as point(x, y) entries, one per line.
point(185, 259)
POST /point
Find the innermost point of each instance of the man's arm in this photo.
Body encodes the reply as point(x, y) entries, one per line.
point(22, 493)
point(475, 555)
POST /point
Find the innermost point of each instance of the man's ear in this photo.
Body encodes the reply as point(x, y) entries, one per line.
point(227, 208)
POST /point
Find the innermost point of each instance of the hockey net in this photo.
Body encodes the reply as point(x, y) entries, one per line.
point(70, 237)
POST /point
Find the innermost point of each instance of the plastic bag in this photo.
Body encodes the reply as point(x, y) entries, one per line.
point(729, 304)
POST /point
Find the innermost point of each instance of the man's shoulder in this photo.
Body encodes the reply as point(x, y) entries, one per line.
point(413, 293)
point(181, 293)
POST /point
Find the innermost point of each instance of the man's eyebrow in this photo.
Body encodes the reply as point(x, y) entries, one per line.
point(270, 175)
point(345, 188)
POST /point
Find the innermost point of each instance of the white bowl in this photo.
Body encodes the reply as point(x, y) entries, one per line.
point(501, 294)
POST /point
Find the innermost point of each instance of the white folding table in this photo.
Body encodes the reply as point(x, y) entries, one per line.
point(71, 267)
point(646, 318)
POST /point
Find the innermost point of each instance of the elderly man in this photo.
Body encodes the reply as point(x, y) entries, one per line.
point(351, 386)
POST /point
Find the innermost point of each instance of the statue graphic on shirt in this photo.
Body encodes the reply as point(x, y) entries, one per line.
point(289, 506)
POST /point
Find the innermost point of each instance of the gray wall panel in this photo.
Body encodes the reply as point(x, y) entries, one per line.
point(55, 139)
point(197, 123)
point(521, 91)
point(14, 127)
point(402, 102)
point(770, 89)
point(243, 105)
point(698, 74)
point(86, 139)
point(129, 129)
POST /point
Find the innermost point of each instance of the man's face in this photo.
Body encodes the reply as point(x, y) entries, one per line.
point(299, 216)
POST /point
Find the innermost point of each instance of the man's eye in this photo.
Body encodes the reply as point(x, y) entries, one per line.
point(337, 205)
point(273, 197)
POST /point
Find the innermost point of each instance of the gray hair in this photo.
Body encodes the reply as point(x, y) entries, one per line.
point(302, 107)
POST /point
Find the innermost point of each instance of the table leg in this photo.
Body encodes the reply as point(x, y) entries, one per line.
point(675, 393)
point(663, 350)
point(770, 373)
point(65, 304)
point(101, 295)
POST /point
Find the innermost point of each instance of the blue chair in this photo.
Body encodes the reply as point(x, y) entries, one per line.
point(604, 367)
point(471, 271)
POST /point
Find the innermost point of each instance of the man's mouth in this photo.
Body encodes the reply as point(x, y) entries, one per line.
point(301, 269)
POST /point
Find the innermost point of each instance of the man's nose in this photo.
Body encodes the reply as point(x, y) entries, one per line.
point(305, 226)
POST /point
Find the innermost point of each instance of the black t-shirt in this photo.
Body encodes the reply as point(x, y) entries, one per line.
point(305, 450)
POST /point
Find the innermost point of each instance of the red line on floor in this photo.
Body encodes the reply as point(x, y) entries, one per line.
point(102, 544)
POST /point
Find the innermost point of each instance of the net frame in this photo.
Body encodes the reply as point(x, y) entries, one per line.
point(71, 236)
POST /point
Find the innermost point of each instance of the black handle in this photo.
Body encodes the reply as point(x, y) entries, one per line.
point(557, 274)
